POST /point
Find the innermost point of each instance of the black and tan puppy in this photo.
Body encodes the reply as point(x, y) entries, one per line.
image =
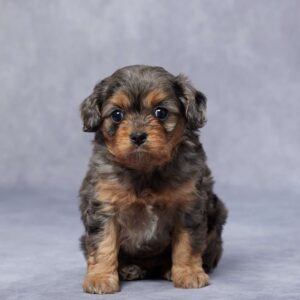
point(147, 201)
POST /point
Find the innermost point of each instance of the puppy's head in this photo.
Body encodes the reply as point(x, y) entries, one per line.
point(142, 113)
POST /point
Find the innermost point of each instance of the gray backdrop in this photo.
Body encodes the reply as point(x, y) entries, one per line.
point(244, 55)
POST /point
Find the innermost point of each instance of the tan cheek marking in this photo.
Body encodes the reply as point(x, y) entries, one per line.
point(160, 144)
point(171, 122)
point(177, 133)
point(119, 144)
point(156, 136)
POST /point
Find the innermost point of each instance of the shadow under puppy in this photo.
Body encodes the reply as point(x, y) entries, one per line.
point(147, 200)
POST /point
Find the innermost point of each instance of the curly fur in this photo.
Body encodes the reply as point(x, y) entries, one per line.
point(153, 212)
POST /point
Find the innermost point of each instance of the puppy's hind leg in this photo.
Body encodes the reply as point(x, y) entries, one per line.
point(131, 272)
point(217, 214)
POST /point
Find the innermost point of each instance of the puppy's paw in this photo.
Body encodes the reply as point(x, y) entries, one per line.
point(101, 283)
point(167, 275)
point(189, 279)
point(132, 272)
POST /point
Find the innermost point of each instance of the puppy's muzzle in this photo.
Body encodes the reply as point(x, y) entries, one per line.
point(138, 138)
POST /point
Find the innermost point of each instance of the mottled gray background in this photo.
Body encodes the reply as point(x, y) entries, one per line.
point(244, 55)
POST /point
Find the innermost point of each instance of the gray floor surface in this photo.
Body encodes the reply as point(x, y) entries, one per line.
point(40, 256)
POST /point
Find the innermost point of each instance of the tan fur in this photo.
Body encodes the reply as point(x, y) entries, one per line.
point(187, 271)
point(148, 174)
point(177, 134)
point(154, 98)
point(102, 269)
point(119, 196)
point(120, 143)
point(161, 141)
point(144, 217)
point(157, 151)
point(120, 99)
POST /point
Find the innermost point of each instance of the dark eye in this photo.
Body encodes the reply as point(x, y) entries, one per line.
point(161, 113)
point(117, 115)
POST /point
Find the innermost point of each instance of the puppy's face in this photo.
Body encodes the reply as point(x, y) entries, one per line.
point(142, 132)
point(142, 113)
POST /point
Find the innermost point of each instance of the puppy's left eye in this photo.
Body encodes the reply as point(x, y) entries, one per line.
point(161, 113)
point(117, 115)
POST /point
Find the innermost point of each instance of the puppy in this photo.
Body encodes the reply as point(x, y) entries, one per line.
point(147, 201)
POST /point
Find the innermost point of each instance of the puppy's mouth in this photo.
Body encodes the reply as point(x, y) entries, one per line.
point(138, 154)
point(139, 149)
point(139, 158)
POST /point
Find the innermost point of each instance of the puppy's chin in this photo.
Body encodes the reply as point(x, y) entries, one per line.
point(143, 160)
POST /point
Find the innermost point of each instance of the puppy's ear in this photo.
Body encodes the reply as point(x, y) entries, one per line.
point(90, 109)
point(194, 102)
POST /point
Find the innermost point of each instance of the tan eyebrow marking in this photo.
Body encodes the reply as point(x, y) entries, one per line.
point(120, 99)
point(154, 97)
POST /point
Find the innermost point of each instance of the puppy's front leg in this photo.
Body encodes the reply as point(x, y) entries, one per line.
point(187, 271)
point(102, 264)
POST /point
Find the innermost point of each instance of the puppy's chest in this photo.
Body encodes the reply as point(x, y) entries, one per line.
point(147, 218)
point(145, 228)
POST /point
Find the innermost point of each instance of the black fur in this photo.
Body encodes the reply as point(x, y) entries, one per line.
point(206, 214)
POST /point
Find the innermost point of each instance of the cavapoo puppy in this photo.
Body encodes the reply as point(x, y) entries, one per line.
point(147, 201)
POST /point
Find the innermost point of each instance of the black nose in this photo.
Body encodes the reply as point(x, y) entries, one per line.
point(138, 138)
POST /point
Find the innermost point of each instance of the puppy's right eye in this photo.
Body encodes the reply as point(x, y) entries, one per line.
point(161, 113)
point(117, 115)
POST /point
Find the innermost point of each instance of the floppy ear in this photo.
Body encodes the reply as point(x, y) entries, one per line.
point(194, 102)
point(90, 110)
point(90, 114)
